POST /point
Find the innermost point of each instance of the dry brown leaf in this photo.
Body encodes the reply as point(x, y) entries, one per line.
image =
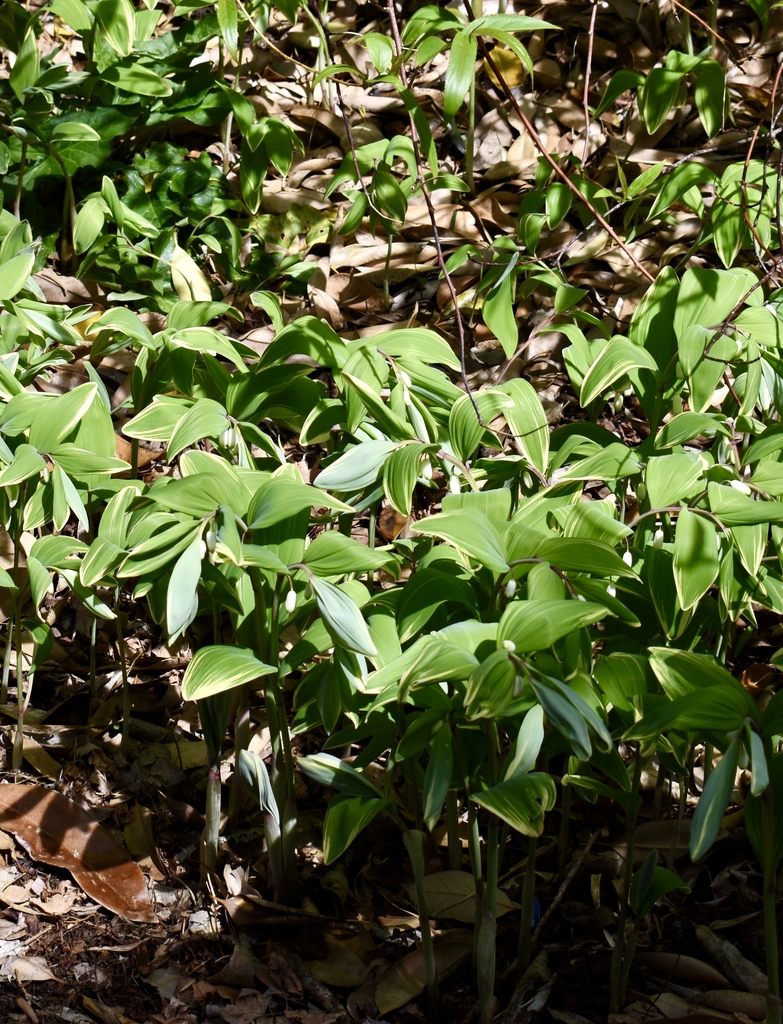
point(57, 831)
point(683, 968)
point(105, 1014)
point(750, 1003)
point(658, 835)
point(452, 894)
point(407, 979)
point(731, 962)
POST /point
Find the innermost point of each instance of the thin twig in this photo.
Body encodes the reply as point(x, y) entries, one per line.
point(564, 887)
point(734, 50)
point(539, 144)
point(588, 69)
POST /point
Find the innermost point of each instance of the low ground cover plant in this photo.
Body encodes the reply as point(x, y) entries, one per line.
point(562, 602)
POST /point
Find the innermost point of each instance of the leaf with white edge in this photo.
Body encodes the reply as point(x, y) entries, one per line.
point(205, 419)
point(520, 801)
point(612, 365)
point(256, 778)
point(471, 532)
point(342, 618)
point(536, 625)
point(329, 770)
point(221, 667)
point(188, 279)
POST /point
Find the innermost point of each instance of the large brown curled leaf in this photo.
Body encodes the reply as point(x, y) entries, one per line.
point(56, 831)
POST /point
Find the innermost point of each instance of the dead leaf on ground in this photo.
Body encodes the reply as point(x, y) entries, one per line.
point(452, 894)
point(731, 962)
point(56, 831)
point(681, 968)
point(407, 979)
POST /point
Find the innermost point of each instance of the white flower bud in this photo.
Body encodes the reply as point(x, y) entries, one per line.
point(511, 589)
point(658, 539)
point(203, 550)
point(426, 469)
point(741, 486)
point(45, 474)
point(527, 480)
point(581, 597)
point(627, 557)
point(290, 602)
point(454, 486)
point(228, 438)
point(406, 395)
point(405, 378)
point(210, 538)
point(510, 646)
point(611, 591)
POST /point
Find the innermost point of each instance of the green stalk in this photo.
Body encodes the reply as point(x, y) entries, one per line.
point(414, 843)
point(16, 610)
point(452, 826)
point(618, 953)
point(211, 823)
point(769, 869)
point(126, 696)
point(16, 757)
point(93, 642)
point(630, 951)
point(527, 904)
point(486, 936)
point(19, 181)
point(562, 838)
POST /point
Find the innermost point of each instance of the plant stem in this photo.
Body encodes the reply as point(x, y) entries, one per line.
point(562, 839)
point(618, 953)
point(527, 904)
point(486, 936)
point(16, 757)
point(452, 824)
point(414, 843)
point(126, 697)
point(769, 869)
point(211, 823)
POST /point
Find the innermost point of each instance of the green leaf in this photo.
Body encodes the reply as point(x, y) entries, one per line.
point(520, 801)
point(329, 770)
point(14, 274)
point(63, 414)
point(342, 618)
point(651, 884)
point(24, 74)
point(221, 667)
point(438, 776)
point(673, 478)
point(461, 70)
point(527, 745)
point(616, 359)
point(334, 554)
point(205, 419)
point(357, 468)
point(498, 309)
point(116, 23)
point(27, 463)
point(182, 590)
point(713, 802)
point(281, 498)
point(400, 473)
point(227, 20)
point(695, 557)
point(710, 94)
point(346, 817)
point(100, 561)
point(256, 778)
point(536, 625)
point(620, 82)
point(469, 531)
point(657, 97)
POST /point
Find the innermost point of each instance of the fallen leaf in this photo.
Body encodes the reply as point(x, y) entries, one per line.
point(452, 894)
point(105, 1014)
point(731, 962)
point(407, 979)
point(24, 969)
point(750, 1003)
point(56, 831)
point(683, 968)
